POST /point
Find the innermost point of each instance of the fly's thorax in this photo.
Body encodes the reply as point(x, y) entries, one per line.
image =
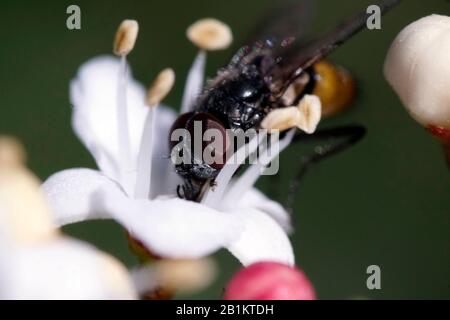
point(239, 99)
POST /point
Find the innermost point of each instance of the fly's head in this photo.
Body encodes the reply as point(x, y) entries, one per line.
point(201, 143)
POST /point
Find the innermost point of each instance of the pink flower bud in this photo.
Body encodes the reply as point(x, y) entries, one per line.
point(269, 281)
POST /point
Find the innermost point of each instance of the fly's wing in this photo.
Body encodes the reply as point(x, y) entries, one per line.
point(285, 23)
point(290, 19)
point(297, 57)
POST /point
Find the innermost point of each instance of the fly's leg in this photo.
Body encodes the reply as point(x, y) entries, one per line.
point(190, 190)
point(347, 136)
point(181, 191)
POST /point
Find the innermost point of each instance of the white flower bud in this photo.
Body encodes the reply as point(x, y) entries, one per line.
point(418, 68)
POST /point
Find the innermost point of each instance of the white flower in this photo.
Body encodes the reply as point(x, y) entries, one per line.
point(37, 262)
point(418, 69)
point(136, 182)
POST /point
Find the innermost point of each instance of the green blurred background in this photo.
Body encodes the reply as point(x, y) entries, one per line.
point(385, 202)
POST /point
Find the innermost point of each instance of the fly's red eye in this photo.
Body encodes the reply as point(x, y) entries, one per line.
point(216, 141)
point(208, 132)
point(180, 123)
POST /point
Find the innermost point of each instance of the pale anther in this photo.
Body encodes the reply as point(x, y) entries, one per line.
point(305, 116)
point(125, 38)
point(161, 87)
point(210, 34)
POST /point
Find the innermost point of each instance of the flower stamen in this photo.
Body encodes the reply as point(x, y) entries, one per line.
point(213, 196)
point(252, 174)
point(125, 38)
point(156, 93)
point(208, 35)
point(305, 116)
point(194, 82)
point(161, 87)
point(124, 41)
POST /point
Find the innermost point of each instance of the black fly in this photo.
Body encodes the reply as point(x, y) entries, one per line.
point(255, 82)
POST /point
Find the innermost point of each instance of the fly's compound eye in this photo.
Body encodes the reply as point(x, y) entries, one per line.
point(334, 86)
point(204, 138)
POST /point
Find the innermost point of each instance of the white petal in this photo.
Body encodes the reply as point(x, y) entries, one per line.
point(254, 198)
point(173, 228)
point(262, 239)
point(65, 269)
point(71, 195)
point(5, 262)
point(93, 95)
